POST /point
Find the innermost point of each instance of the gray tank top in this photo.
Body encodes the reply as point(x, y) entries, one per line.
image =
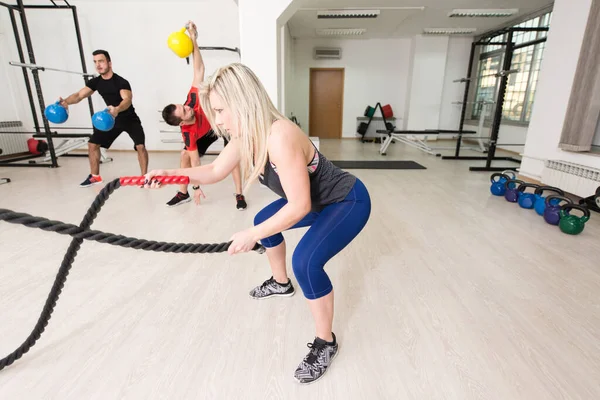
point(328, 183)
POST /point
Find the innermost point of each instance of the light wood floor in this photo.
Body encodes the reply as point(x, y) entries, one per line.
point(448, 293)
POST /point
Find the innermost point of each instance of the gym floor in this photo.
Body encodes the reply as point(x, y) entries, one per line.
point(448, 293)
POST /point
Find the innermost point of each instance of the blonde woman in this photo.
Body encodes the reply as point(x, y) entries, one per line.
point(314, 192)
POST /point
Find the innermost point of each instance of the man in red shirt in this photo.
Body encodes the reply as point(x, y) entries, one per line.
point(196, 131)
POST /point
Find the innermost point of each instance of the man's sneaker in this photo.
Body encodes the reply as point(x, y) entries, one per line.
point(241, 202)
point(317, 361)
point(270, 288)
point(179, 198)
point(91, 180)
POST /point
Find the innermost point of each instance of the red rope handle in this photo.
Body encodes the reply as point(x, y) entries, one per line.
point(164, 180)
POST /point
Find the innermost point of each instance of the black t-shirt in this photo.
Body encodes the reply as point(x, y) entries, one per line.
point(110, 89)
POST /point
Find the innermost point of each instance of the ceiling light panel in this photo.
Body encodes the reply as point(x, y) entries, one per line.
point(339, 14)
point(449, 31)
point(487, 13)
point(341, 32)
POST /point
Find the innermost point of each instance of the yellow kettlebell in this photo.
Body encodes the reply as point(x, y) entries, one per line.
point(180, 43)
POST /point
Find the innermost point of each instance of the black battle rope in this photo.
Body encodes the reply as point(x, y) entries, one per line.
point(81, 232)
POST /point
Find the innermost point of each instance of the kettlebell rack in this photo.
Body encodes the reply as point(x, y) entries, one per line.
point(42, 130)
point(370, 113)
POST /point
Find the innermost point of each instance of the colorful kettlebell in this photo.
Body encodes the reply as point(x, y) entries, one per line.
point(180, 43)
point(552, 211)
point(103, 120)
point(572, 224)
point(512, 190)
point(56, 113)
point(597, 197)
point(497, 188)
point(540, 201)
point(527, 200)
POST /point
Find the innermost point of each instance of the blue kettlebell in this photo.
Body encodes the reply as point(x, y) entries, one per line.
point(103, 121)
point(512, 190)
point(527, 200)
point(552, 211)
point(56, 113)
point(497, 188)
point(540, 200)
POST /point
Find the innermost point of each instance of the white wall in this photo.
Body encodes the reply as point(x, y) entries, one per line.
point(375, 71)
point(287, 73)
point(139, 53)
point(260, 36)
point(558, 68)
point(427, 82)
point(509, 134)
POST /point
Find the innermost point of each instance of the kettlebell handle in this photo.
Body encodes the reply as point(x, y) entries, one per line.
point(513, 180)
point(524, 186)
point(540, 190)
point(501, 175)
point(557, 196)
point(583, 209)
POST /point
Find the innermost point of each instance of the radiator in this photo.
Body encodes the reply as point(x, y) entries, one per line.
point(13, 144)
point(572, 178)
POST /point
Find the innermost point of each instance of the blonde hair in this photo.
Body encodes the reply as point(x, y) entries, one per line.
point(243, 93)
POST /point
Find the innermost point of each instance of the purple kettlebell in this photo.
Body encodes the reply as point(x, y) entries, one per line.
point(512, 190)
point(552, 211)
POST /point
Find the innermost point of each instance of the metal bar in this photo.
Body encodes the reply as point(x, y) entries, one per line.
point(463, 110)
point(25, 75)
point(236, 50)
point(481, 43)
point(9, 6)
point(500, 101)
point(542, 29)
point(36, 80)
point(41, 7)
point(81, 55)
point(42, 68)
point(531, 43)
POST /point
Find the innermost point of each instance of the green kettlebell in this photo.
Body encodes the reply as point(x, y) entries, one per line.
point(572, 224)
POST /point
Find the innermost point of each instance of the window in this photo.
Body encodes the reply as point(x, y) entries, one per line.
point(521, 85)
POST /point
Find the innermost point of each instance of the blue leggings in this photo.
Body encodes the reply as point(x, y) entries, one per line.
point(330, 231)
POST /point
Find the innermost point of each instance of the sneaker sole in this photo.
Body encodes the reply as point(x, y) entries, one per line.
point(273, 295)
point(181, 202)
point(91, 184)
point(327, 370)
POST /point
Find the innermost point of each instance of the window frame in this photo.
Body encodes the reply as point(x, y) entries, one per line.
point(473, 113)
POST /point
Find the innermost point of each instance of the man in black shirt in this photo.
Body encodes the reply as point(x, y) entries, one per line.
point(116, 92)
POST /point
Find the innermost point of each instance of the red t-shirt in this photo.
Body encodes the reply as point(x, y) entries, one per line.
point(191, 133)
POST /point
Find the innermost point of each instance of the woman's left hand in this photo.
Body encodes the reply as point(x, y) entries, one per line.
point(242, 242)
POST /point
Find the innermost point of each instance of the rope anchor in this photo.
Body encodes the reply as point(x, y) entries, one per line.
point(81, 232)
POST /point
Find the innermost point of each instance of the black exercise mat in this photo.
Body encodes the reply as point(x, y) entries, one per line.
point(378, 165)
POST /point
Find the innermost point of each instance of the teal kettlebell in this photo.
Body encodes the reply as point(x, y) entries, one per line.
point(572, 224)
point(527, 200)
point(540, 200)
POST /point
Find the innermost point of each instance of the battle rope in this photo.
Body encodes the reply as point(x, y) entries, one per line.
point(81, 232)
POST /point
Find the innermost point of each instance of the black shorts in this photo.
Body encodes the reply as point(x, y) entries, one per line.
point(130, 124)
point(206, 141)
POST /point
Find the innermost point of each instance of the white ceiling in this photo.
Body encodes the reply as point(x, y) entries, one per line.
point(403, 23)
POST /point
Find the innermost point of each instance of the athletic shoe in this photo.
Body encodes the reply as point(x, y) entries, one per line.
point(317, 361)
point(241, 202)
point(179, 198)
point(91, 180)
point(270, 288)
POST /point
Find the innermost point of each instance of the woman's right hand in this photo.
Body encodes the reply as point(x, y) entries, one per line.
point(150, 182)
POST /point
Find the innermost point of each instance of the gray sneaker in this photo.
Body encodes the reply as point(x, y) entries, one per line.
point(270, 288)
point(317, 361)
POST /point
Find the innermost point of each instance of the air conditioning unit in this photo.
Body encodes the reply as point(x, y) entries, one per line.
point(327, 53)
